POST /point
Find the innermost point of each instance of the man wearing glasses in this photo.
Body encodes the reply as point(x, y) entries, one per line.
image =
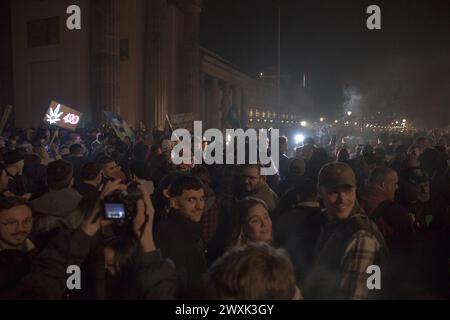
point(16, 222)
point(256, 186)
point(16, 250)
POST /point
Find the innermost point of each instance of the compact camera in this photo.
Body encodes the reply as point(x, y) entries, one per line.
point(121, 205)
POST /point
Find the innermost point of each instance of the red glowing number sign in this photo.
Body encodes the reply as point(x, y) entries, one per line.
point(71, 118)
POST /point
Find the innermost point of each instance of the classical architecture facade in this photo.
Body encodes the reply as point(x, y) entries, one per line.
point(139, 58)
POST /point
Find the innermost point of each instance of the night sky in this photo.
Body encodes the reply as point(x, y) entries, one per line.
point(404, 67)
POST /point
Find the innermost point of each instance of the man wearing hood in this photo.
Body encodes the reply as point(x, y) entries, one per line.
point(58, 207)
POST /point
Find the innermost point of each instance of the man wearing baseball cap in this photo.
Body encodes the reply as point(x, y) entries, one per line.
point(349, 243)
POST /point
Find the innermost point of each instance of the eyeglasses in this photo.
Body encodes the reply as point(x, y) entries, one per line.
point(12, 225)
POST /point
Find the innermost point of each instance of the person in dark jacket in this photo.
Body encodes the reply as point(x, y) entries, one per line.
point(148, 275)
point(210, 217)
point(91, 178)
point(58, 207)
point(16, 249)
point(297, 230)
point(161, 198)
point(35, 174)
point(77, 159)
point(293, 177)
point(284, 159)
point(180, 236)
point(4, 182)
point(14, 162)
point(428, 215)
point(136, 270)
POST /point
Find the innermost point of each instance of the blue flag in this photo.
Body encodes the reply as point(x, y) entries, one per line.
point(119, 125)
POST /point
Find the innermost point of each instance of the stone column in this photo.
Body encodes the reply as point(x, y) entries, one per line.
point(237, 99)
point(214, 103)
point(203, 112)
point(225, 104)
point(6, 56)
point(5, 53)
point(105, 58)
point(244, 108)
point(156, 71)
point(190, 61)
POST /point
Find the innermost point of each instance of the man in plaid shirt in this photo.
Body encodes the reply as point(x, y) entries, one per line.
point(348, 244)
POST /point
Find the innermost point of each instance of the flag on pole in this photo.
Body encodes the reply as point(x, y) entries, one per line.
point(119, 125)
point(168, 129)
point(6, 114)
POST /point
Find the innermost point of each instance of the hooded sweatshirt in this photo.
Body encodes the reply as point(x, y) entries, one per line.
point(58, 208)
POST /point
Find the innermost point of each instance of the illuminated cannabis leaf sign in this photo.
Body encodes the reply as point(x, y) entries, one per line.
point(53, 116)
point(62, 116)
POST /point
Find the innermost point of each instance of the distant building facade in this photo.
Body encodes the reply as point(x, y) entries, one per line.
point(139, 58)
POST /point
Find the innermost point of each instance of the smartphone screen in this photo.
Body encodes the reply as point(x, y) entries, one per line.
point(114, 211)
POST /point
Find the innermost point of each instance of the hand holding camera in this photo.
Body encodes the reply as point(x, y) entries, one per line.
point(95, 221)
point(121, 204)
point(125, 205)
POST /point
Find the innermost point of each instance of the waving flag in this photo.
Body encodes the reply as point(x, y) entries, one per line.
point(120, 126)
point(168, 129)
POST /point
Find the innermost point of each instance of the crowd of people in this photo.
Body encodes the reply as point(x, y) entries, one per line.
point(222, 231)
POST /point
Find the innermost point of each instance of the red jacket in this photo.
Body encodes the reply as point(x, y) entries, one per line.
point(394, 221)
point(371, 198)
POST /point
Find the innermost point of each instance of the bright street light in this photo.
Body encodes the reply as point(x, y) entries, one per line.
point(299, 138)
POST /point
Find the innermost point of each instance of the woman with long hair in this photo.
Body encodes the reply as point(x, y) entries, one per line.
point(251, 222)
